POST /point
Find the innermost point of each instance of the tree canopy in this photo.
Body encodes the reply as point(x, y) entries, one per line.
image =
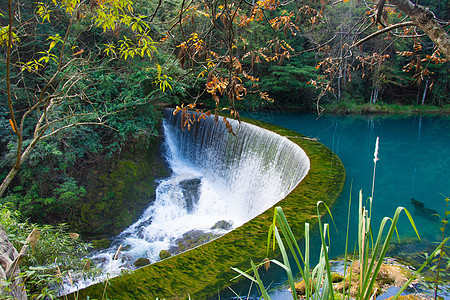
point(105, 66)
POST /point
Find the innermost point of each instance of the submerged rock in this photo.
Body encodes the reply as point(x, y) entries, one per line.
point(192, 239)
point(225, 225)
point(421, 210)
point(191, 192)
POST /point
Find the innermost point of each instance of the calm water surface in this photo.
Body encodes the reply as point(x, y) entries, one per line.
point(414, 155)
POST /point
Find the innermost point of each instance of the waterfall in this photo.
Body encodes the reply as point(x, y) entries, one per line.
point(257, 167)
point(219, 181)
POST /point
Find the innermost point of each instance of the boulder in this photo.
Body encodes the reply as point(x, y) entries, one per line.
point(142, 261)
point(225, 225)
point(164, 254)
point(300, 288)
point(192, 239)
point(388, 275)
point(191, 192)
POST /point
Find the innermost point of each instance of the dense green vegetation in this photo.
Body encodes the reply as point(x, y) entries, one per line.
point(52, 256)
point(109, 80)
point(83, 84)
point(82, 172)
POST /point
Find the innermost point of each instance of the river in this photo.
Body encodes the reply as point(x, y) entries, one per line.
point(414, 163)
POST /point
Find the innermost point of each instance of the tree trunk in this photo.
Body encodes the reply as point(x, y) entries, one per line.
point(8, 180)
point(426, 21)
point(16, 168)
point(12, 285)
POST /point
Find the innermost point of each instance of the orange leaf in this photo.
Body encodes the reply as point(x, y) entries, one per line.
point(79, 52)
point(12, 125)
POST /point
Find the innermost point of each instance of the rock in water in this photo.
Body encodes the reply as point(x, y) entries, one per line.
point(141, 262)
point(192, 239)
point(191, 192)
point(225, 225)
point(421, 210)
point(164, 254)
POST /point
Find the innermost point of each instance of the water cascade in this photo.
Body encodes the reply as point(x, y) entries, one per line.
point(219, 182)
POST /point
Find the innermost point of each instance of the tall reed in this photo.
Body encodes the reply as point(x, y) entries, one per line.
point(318, 282)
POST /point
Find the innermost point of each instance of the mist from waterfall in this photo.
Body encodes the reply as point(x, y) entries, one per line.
point(217, 178)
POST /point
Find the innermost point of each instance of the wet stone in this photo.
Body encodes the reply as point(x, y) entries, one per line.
point(191, 192)
point(164, 254)
point(192, 239)
point(225, 225)
point(141, 262)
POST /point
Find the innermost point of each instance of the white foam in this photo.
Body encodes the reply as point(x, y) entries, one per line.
point(241, 177)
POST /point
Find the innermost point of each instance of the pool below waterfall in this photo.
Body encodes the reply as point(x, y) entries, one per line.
point(412, 172)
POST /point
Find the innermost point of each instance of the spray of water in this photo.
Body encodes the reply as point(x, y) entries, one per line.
point(217, 178)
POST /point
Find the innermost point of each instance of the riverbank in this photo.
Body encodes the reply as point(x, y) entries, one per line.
point(119, 189)
point(382, 108)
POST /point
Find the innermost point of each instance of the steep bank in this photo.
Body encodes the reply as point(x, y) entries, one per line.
point(119, 189)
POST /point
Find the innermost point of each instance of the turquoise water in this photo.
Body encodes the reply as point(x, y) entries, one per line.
point(414, 162)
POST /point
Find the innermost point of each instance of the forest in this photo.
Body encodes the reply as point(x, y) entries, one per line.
point(84, 83)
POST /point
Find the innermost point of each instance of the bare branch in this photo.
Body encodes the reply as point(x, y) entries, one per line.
point(386, 29)
point(156, 10)
point(426, 20)
point(77, 124)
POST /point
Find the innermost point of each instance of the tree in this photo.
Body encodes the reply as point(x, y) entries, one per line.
point(224, 42)
point(60, 68)
point(385, 25)
point(425, 20)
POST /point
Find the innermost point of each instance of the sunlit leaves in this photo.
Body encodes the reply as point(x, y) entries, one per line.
point(162, 80)
point(54, 40)
point(265, 96)
point(68, 5)
point(43, 12)
point(4, 36)
point(419, 62)
point(285, 23)
point(194, 41)
point(312, 15)
point(110, 49)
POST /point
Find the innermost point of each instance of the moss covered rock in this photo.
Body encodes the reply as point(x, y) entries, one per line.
point(119, 189)
point(164, 254)
point(388, 275)
point(141, 262)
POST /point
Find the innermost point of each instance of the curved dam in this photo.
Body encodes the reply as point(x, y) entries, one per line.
point(233, 179)
point(249, 171)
